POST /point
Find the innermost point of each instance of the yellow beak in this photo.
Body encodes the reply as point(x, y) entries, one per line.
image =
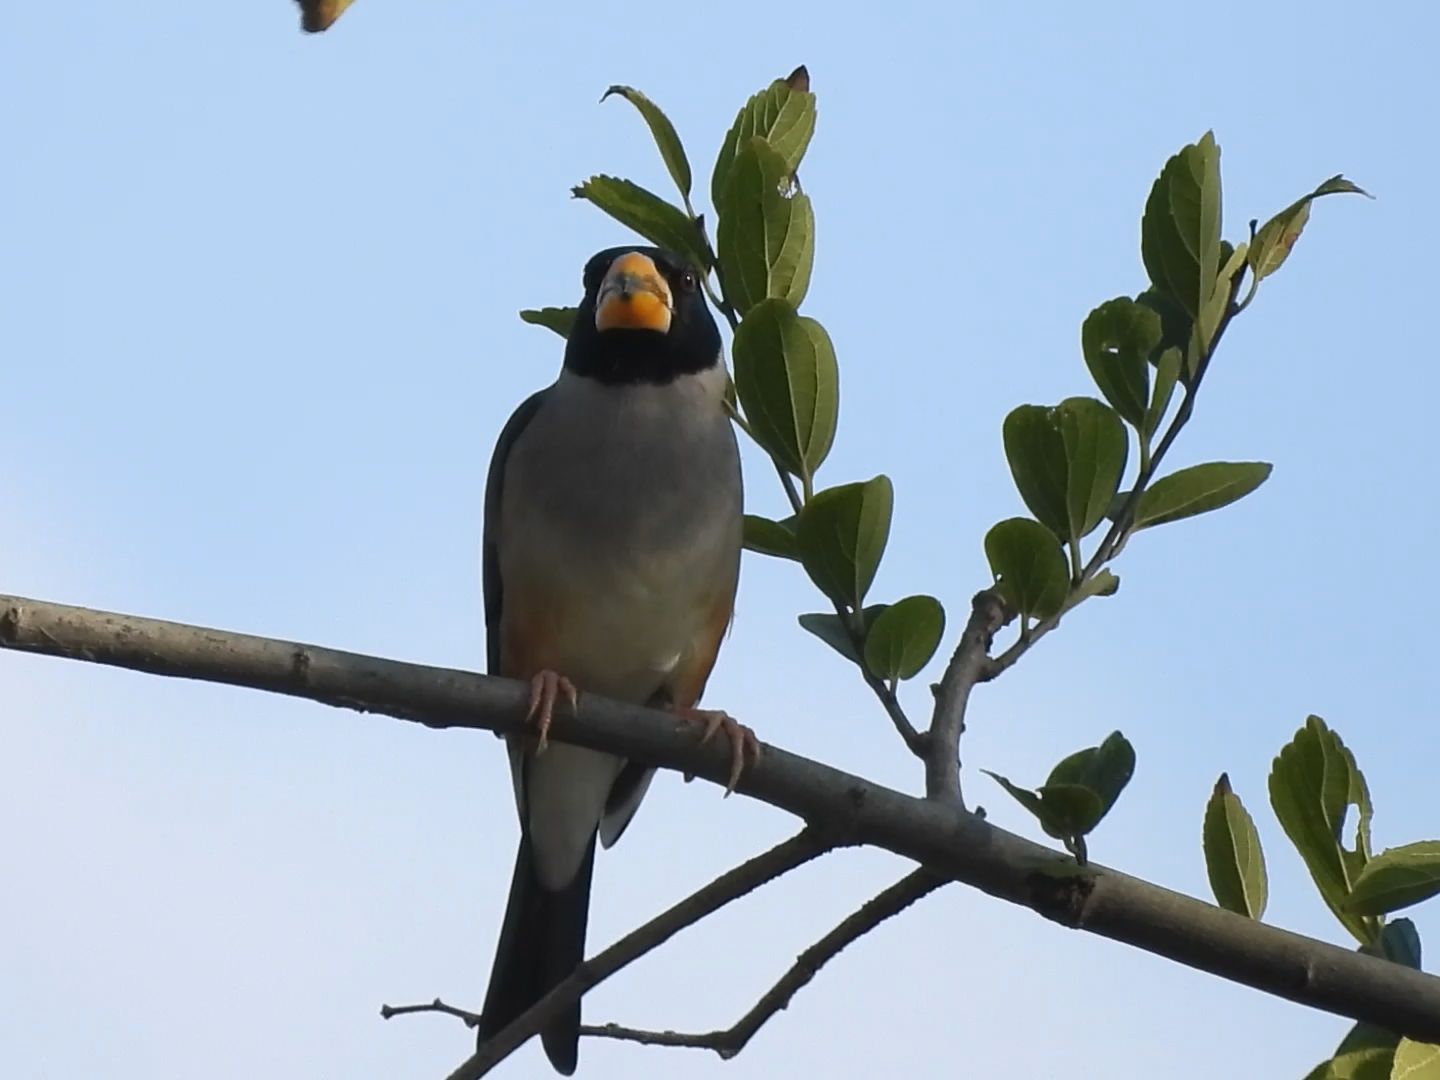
point(633, 295)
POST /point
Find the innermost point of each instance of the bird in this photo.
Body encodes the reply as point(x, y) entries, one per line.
point(611, 560)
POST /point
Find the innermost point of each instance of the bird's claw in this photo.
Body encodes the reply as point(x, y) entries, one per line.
point(545, 689)
point(744, 746)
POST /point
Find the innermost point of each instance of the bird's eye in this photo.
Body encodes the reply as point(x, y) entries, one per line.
point(688, 281)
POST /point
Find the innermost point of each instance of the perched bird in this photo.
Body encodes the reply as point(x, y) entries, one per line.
point(611, 557)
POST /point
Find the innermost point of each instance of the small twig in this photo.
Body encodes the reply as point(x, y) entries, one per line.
point(969, 665)
point(916, 740)
point(731, 885)
point(436, 1006)
point(732, 1040)
point(788, 483)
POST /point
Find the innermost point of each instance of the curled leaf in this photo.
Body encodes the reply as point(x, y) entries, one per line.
point(672, 151)
point(1271, 245)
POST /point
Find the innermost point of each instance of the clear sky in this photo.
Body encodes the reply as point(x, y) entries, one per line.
point(257, 319)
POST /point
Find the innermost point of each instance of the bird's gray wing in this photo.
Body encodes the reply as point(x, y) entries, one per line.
point(490, 548)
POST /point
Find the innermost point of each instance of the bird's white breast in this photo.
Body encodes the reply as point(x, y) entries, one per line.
point(625, 500)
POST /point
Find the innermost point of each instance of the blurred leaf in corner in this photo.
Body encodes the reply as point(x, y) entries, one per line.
point(318, 15)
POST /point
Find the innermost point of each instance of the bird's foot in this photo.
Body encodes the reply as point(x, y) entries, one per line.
point(545, 689)
point(744, 746)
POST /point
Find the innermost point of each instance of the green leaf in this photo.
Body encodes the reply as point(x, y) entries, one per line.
point(1213, 313)
point(1197, 490)
point(1036, 453)
point(1270, 246)
point(1061, 809)
point(1180, 230)
point(1396, 878)
point(841, 535)
point(1366, 1063)
point(1080, 791)
point(1024, 796)
point(781, 114)
point(658, 221)
point(904, 637)
point(1095, 450)
point(1313, 782)
point(1072, 810)
point(788, 381)
point(1103, 583)
point(1176, 327)
point(1399, 943)
point(831, 629)
point(1167, 373)
point(1365, 1053)
point(1117, 339)
point(1104, 770)
point(766, 236)
point(1028, 565)
point(1233, 858)
point(559, 319)
point(1416, 1061)
point(671, 149)
point(767, 537)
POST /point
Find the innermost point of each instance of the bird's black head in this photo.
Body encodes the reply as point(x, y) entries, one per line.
point(643, 319)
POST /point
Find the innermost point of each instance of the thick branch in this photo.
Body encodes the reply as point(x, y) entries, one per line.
point(732, 1040)
point(944, 838)
point(731, 885)
point(969, 665)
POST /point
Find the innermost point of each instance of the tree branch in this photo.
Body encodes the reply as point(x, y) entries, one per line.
point(970, 665)
point(731, 885)
point(942, 837)
point(471, 1019)
point(732, 1040)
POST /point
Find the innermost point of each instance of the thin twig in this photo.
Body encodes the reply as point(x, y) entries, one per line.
point(437, 1006)
point(917, 741)
point(955, 844)
point(731, 885)
point(732, 1040)
point(969, 665)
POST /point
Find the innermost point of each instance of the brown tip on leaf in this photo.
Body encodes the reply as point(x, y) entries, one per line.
point(319, 15)
point(799, 79)
point(1222, 786)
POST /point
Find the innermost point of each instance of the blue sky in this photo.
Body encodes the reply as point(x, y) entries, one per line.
point(259, 335)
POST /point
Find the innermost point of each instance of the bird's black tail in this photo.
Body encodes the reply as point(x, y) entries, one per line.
point(542, 940)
